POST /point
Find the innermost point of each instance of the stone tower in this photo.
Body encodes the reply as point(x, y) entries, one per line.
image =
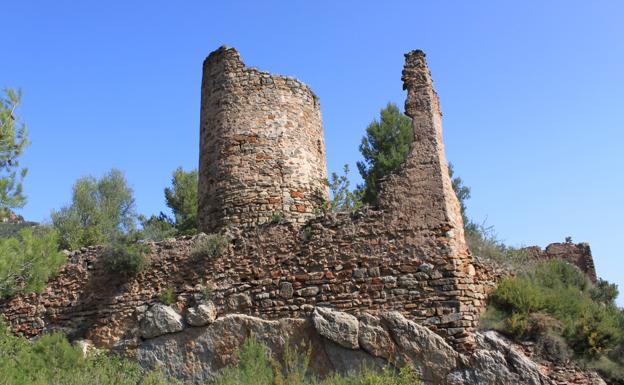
point(262, 152)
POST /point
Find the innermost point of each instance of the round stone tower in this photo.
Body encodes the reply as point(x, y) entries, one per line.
point(262, 153)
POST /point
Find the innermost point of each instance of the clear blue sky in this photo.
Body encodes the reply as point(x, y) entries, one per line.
point(532, 94)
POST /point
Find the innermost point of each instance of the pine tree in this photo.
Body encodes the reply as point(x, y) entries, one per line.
point(13, 141)
point(385, 147)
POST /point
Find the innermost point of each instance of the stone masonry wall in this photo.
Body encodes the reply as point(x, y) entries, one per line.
point(408, 254)
point(578, 254)
point(262, 152)
point(273, 271)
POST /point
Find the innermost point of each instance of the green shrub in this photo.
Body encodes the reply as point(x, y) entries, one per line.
point(256, 367)
point(166, 296)
point(12, 229)
point(343, 199)
point(28, 261)
point(208, 292)
point(209, 246)
point(484, 243)
point(253, 367)
point(607, 367)
point(517, 295)
point(595, 330)
point(101, 210)
point(556, 299)
point(157, 228)
point(127, 259)
point(182, 199)
point(51, 360)
point(277, 217)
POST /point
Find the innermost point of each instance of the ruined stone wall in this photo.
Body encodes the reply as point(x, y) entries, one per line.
point(273, 271)
point(408, 254)
point(262, 152)
point(578, 254)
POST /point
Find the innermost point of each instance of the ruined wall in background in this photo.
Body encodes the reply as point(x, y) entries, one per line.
point(578, 254)
point(262, 152)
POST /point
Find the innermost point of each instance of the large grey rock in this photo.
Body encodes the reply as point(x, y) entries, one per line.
point(202, 314)
point(431, 356)
point(337, 326)
point(373, 338)
point(199, 353)
point(158, 320)
point(497, 361)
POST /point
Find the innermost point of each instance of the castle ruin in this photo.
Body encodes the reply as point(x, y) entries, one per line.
point(262, 154)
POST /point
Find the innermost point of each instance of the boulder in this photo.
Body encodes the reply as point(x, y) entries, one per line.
point(432, 357)
point(373, 338)
point(199, 353)
point(158, 320)
point(496, 360)
point(201, 315)
point(337, 326)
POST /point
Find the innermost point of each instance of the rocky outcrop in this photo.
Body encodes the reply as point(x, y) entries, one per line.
point(158, 320)
point(342, 328)
point(202, 314)
point(339, 342)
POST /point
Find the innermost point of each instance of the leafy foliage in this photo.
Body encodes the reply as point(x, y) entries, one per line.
point(343, 199)
point(125, 258)
point(561, 293)
point(462, 192)
point(157, 228)
point(28, 260)
point(182, 198)
point(12, 229)
point(166, 297)
point(101, 210)
point(13, 141)
point(385, 148)
point(256, 367)
point(209, 246)
point(51, 360)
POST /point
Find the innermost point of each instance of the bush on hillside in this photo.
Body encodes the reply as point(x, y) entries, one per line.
point(209, 246)
point(555, 297)
point(167, 296)
point(256, 367)
point(28, 261)
point(12, 229)
point(51, 360)
point(125, 258)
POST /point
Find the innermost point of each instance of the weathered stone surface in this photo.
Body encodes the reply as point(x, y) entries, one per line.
point(373, 338)
point(199, 353)
point(160, 319)
point(432, 357)
point(339, 327)
point(202, 314)
point(262, 147)
point(238, 302)
point(286, 290)
point(497, 361)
